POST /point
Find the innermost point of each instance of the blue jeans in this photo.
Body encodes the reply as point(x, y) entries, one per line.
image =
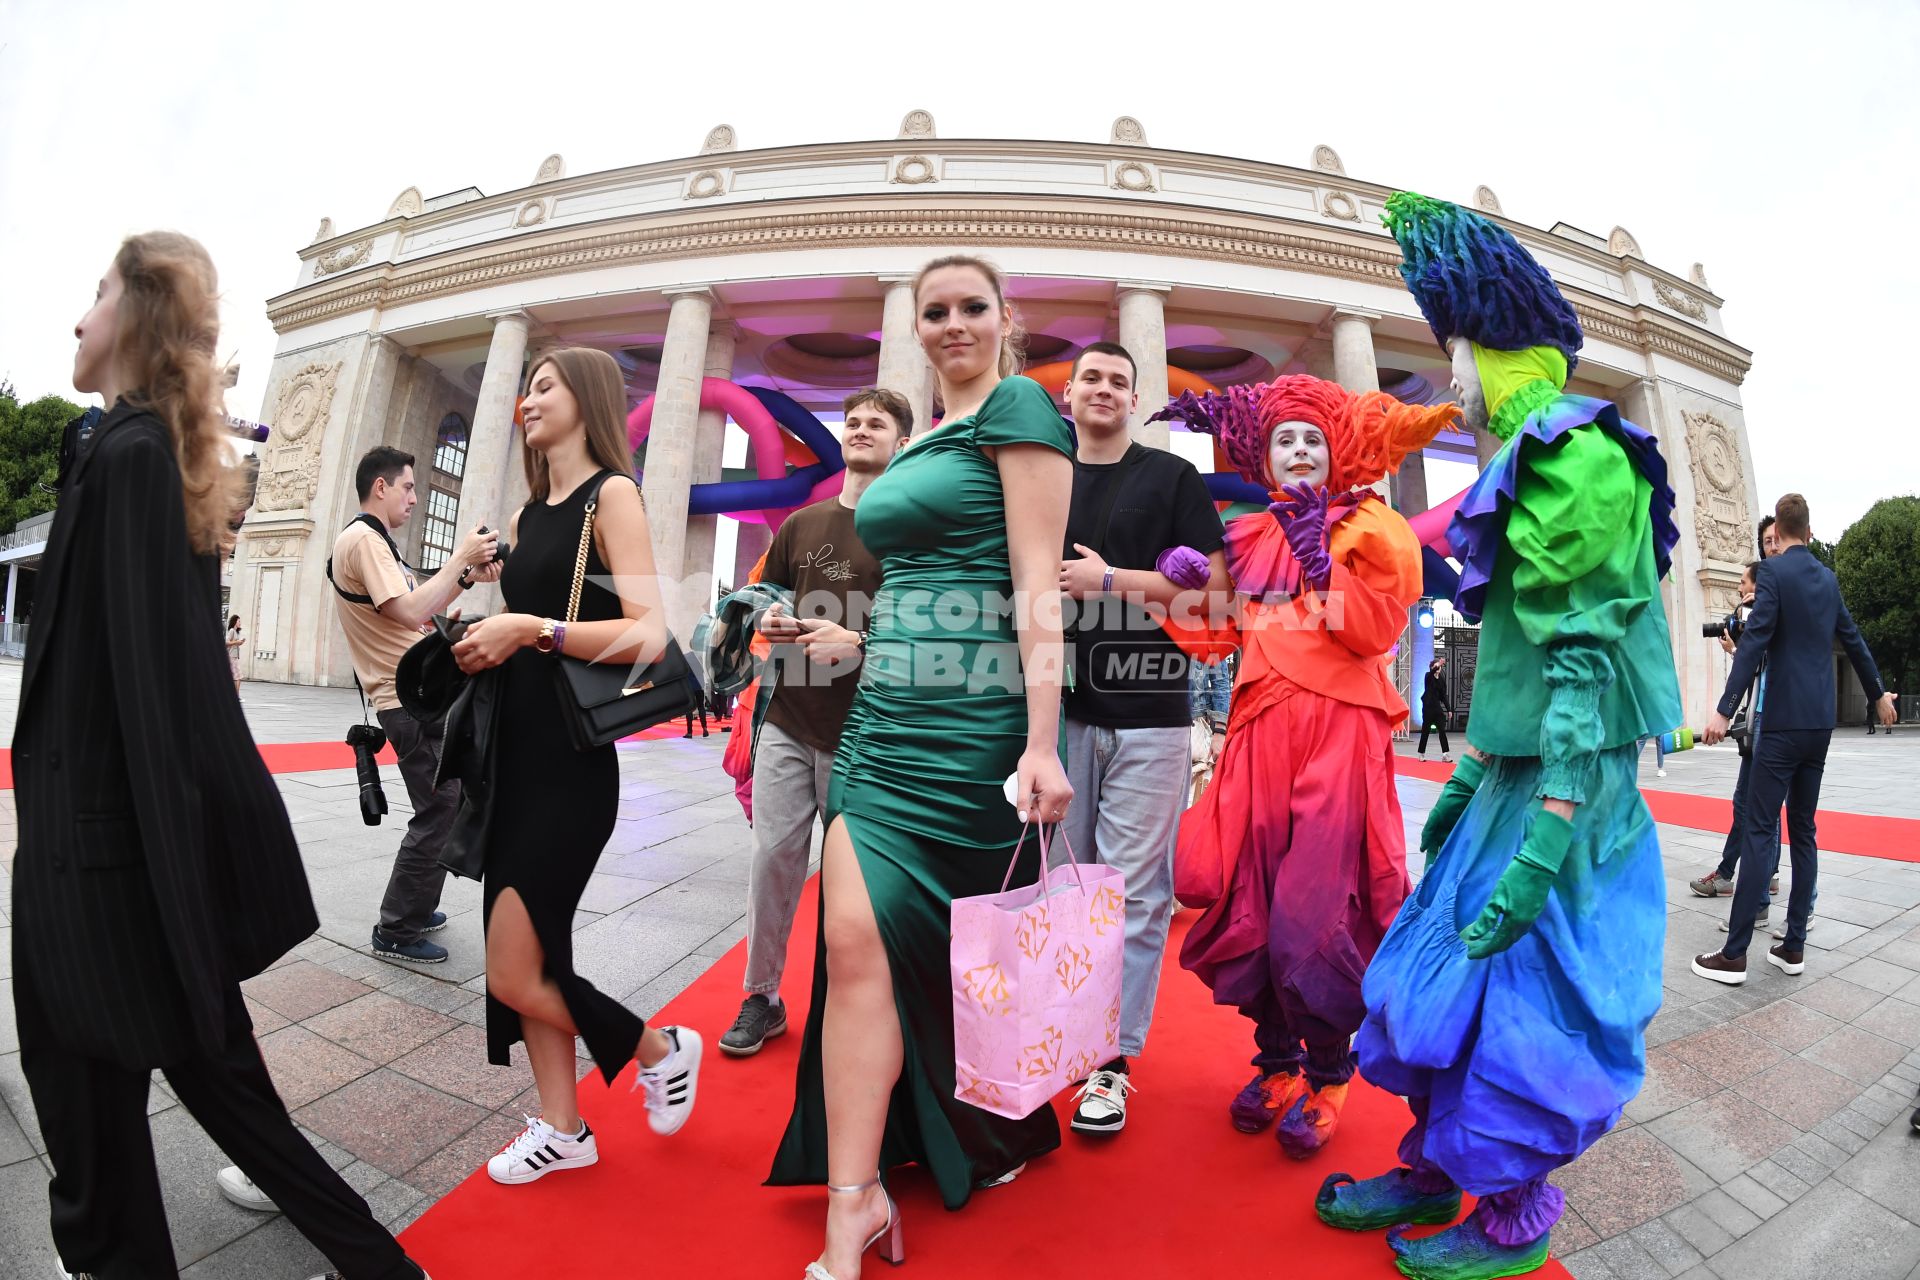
point(1129, 787)
point(1788, 765)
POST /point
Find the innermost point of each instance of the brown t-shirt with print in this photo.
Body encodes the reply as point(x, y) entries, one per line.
point(818, 556)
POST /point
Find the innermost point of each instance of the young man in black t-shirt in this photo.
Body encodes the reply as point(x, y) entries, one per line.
point(1127, 715)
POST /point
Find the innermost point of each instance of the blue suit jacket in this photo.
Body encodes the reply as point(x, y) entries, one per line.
point(1797, 615)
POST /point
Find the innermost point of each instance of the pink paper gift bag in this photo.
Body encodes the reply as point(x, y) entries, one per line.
point(1036, 984)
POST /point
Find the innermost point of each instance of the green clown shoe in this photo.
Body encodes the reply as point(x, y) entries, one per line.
point(1466, 1252)
point(1386, 1201)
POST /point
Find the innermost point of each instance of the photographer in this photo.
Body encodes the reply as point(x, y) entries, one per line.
point(1797, 615)
point(383, 611)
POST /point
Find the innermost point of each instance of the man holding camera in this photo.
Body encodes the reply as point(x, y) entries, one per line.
point(384, 611)
point(1797, 615)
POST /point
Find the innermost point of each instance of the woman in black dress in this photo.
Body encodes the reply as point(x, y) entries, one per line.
point(555, 806)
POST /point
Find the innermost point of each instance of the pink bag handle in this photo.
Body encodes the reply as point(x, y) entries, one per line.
point(1046, 891)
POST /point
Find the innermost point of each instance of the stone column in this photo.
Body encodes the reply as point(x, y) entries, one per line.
point(749, 545)
point(1353, 364)
point(483, 488)
point(1143, 332)
point(708, 439)
point(13, 586)
point(903, 365)
point(671, 443)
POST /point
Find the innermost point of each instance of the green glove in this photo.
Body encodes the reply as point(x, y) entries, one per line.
point(1521, 893)
point(1451, 804)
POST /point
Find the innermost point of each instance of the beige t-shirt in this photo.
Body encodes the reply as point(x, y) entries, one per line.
point(364, 565)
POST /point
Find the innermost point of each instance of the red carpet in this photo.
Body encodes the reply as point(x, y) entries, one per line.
point(1179, 1194)
point(1866, 834)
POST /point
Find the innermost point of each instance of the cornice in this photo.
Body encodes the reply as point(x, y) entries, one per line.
point(1140, 227)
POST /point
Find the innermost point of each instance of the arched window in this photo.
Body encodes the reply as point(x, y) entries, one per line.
point(443, 493)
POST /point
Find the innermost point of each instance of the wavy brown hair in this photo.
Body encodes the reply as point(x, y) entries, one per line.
point(169, 321)
point(595, 381)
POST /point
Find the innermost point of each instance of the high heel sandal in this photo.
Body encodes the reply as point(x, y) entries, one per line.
point(892, 1251)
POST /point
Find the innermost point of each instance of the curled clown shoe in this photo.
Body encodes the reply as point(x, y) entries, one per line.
point(1386, 1201)
point(1466, 1252)
point(1309, 1123)
point(1265, 1099)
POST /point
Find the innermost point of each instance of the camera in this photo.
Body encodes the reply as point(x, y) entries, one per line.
point(366, 741)
point(501, 549)
point(1729, 626)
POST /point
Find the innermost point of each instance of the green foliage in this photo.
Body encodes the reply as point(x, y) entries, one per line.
point(30, 453)
point(1823, 552)
point(1878, 565)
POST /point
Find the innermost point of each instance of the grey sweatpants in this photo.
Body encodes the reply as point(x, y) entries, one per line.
point(1129, 788)
point(413, 890)
point(789, 790)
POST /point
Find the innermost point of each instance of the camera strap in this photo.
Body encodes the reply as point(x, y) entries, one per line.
point(359, 597)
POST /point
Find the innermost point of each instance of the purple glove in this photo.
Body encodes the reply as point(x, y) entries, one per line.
point(1184, 567)
point(1305, 516)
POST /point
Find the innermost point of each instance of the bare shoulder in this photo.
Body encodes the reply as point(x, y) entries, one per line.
point(620, 493)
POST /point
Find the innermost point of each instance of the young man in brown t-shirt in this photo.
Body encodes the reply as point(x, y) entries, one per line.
point(817, 556)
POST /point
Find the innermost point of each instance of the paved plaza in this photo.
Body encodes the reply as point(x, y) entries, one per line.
point(1770, 1138)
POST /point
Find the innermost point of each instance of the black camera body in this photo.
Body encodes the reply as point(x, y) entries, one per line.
point(366, 741)
point(1730, 626)
point(501, 549)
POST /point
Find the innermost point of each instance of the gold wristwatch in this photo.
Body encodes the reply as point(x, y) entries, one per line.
point(544, 642)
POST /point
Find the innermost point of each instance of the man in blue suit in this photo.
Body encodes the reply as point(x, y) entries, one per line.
point(1797, 615)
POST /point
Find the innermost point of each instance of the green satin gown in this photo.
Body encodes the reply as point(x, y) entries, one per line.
point(939, 722)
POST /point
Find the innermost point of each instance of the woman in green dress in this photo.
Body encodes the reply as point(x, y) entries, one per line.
point(961, 688)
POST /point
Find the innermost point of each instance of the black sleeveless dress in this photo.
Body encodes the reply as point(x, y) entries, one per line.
point(556, 806)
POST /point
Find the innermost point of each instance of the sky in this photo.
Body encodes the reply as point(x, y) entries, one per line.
point(1771, 142)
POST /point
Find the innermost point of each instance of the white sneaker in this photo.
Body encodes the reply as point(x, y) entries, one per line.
point(239, 1188)
point(539, 1151)
point(1103, 1103)
point(1780, 930)
point(672, 1082)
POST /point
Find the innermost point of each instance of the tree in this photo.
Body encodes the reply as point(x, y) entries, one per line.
point(1878, 564)
point(1823, 552)
point(30, 453)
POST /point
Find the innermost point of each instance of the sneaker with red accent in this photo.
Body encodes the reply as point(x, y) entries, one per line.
point(1309, 1123)
point(1264, 1100)
point(1102, 1102)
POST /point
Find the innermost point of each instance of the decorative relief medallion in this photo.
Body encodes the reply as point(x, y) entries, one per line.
point(706, 184)
point(1685, 303)
point(916, 124)
point(291, 469)
point(1719, 490)
point(408, 204)
point(1327, 160)
point(552, 169)
point(341, 259)
point(719, 138)
point(1131, 175)
point(1128, 132)
point(532, 213)
point(1485, 201)
point(1338, 204)
point(913, 170)
point(1622, 244)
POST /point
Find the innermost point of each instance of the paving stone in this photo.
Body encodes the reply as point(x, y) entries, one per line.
point(1858, 1055)
point(1794, 1161)
point(1665, 1246)
point(1733, 1217)
point(1821, 1150)
point(25, 1243)
point(1571, 1234)
point(299, 990)
point(448, 1167)
point(1883, 1105)
point(1691, 1223)
point(390, 1121)
point(1673, 1024)
point(1840, 1135)
point(1773, 1175)
point(273, 1249)
point(1723, 1135)
point(1725, 1054)
point(1833, 1232)
point(1800, 1092)
point(1894, 1020)
point(1628, 1261)
point(379, 1027)
point(1755, 1197)
point(1587, 1265)
point(456, 1064)
point(1669, 1085)
point(1903, 951)
point(306, 1067)
point(1627, 1178)
point(1837, 998)
point(1789, 1024)
point(1875, 975)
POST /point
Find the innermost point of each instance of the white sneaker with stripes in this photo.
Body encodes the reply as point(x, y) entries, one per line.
point(672, 1082)
point(540, 1150)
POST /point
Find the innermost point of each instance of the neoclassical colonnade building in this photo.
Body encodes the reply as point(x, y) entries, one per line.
point(789, 267)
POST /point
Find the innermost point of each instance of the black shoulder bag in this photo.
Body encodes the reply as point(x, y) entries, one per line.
point(603, 701)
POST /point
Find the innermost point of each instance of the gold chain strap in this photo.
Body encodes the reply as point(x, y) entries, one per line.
point(580, 561)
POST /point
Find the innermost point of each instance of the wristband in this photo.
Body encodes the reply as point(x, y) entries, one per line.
point(466, 583)
point(1106, 582)
point(560, 638)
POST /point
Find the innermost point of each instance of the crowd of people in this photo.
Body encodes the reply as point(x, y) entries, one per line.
point(995, 607)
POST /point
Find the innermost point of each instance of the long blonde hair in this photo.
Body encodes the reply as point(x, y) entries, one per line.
point(169, 321)
point(594, 378)
point(1013, 337)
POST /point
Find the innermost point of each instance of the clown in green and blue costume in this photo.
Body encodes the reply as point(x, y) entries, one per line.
point(1510, 999)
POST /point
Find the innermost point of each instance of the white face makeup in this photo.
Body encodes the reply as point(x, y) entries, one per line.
point(1298, 453)
point(1466, 386)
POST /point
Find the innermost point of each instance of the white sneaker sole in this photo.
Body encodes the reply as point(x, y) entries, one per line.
point(534, 1175)
point(1718, 975)
point(1785, 966)
point(732, 1052)
point(1094, 1126)
point(263, 1204)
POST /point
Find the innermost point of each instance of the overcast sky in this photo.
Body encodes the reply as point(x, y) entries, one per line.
point(1776, 143)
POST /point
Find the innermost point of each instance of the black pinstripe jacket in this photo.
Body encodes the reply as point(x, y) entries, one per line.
point(156, 866)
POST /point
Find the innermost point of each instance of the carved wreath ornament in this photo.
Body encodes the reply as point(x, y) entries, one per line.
point(1719, 490)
